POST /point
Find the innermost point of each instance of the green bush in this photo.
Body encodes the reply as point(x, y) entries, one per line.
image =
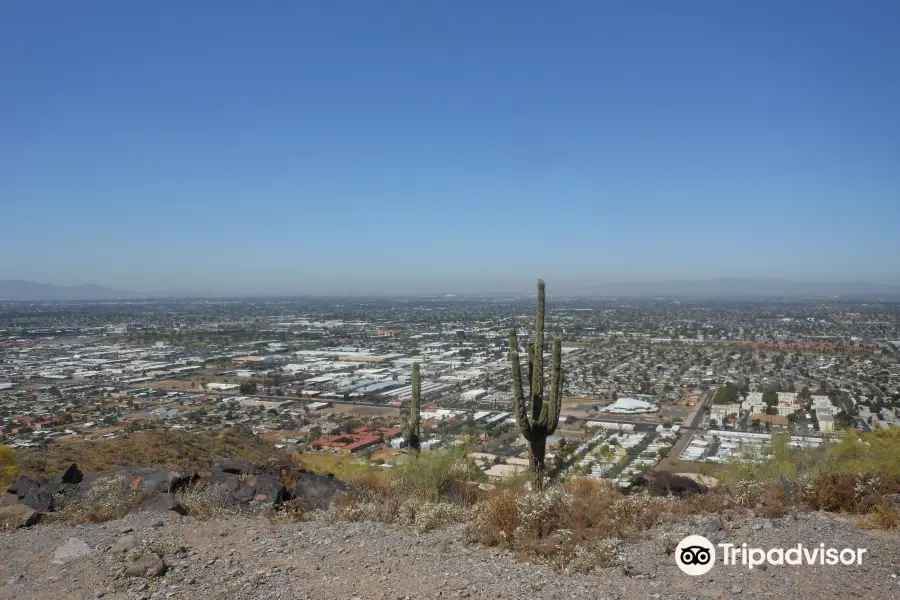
point(8, 465)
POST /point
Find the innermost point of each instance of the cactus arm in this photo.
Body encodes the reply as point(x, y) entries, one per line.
point(412, 427)
point(556, 388)
point(550, 410)
point(519, 407)
point(529, 347)
point(537, 381)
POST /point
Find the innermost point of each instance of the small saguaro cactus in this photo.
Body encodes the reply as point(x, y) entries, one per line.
point(411, 431)
point(537, 417)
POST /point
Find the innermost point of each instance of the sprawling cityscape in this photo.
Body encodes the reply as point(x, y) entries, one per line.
point(648, 384)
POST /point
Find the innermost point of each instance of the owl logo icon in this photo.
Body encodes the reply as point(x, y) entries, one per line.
point(695, 555)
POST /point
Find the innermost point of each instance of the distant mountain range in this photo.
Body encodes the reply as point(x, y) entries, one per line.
point(19, 290)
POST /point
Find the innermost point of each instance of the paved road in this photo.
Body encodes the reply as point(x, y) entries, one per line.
point(687, 431)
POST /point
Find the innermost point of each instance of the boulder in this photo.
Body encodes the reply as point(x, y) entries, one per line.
point(236, 490)
point(124, 544)
point(168, 481)
point(243, 494)
point(263, 488)
point(23, 483)
point(8, 499)
point(202, 482)
point(149, 565)
point(73, 548)
point(664, 483)
point(162, 503)
point(38, 498)
point(233, 467)
point(72, 476)
point(18, 515)
point(314, 491)
point(268, 489)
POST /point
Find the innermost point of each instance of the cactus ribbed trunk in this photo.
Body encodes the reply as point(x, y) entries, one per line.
point(537, 450)
point(411, 431)
point(537, 417)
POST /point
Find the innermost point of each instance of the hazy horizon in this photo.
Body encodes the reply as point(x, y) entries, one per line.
point(717, 287)
point(276, 148)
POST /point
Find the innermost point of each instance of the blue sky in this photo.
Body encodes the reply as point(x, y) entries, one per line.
point(447, 146)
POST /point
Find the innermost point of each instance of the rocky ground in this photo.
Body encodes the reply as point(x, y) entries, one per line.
point(249, 557)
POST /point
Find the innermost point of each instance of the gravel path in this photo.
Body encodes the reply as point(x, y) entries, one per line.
point(245, 557)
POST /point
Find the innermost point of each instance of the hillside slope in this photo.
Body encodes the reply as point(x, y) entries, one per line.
point(194, 451)
point(248, 557)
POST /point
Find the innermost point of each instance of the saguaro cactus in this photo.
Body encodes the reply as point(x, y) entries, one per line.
point(537, 417)
point(411, 431)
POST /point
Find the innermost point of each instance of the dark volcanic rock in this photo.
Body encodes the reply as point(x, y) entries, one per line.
point(167, 481)
point(233, 467)
point(269, 489)
point(38, 498)
point(23, 483)
point(73, 475)
point(162, 503)
point(264, 488)
point(315, 491)
point(664, 483)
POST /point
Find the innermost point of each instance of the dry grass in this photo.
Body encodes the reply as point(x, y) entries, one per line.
point(884, 516)
point(857, 494)
point(579, 526)
point(209, 502)
point(426, 491)
point(107, 499)
point(775, 501)
point(193, 451)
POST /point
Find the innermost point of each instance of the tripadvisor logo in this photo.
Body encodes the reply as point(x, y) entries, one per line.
point(696, 555)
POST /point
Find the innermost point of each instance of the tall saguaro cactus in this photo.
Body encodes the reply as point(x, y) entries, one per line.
point(411, 431)
point(537, 417)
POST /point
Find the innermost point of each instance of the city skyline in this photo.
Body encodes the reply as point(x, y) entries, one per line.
point(448, 149)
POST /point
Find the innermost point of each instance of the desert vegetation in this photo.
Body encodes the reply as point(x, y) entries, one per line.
point(8, 465)
point(191, 450)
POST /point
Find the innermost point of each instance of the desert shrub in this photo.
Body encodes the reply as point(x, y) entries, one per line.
point(605, 552)
point(422, 476)
point(858, 493)
point(497, 518)
point(107, 498)
point(874, 452)
point(852, 453)
point(8, 466)
point(717, 500)
point(579, 526)
point(747, 492)
point(208, 502)
point(432, 515)
point(639, 512)
point(884, 516)
point(775, 501)
point(543, 513)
